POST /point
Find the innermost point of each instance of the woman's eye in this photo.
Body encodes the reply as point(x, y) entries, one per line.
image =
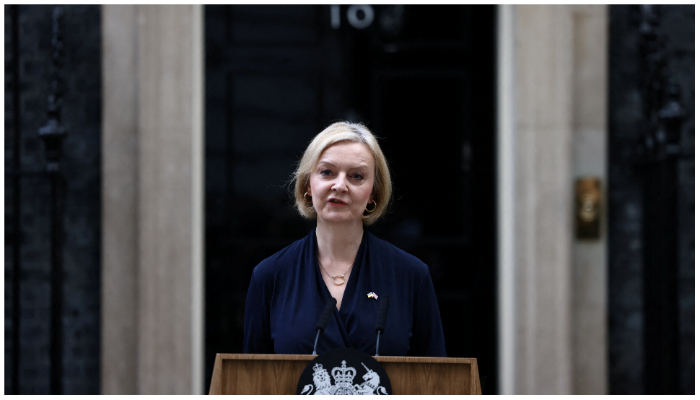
point(358, 176)
point(325, 172)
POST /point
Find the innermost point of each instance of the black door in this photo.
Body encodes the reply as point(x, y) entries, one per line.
point(422, 79)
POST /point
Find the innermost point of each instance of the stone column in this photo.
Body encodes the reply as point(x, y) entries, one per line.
point(589, 256)
point(552, 106)
point(535, 211)
point(152, 302)
point(119, 342)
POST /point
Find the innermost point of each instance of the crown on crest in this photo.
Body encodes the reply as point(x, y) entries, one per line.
point(343, 374)
point(319, 371)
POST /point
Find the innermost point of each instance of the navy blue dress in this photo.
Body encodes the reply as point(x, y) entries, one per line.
point(287, 296)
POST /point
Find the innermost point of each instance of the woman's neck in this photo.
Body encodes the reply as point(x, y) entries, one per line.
point(338, 243)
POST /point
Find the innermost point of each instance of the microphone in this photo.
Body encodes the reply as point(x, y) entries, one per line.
point(381, 318)
point(323, 321)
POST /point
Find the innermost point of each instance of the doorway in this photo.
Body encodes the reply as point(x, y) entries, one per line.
point(422, 78)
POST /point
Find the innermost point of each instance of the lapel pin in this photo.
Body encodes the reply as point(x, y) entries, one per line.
point(371, 295)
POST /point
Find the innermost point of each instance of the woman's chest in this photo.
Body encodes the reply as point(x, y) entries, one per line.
point(293, 322)
point(336, 291)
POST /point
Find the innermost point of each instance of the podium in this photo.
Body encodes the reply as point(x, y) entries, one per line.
point(279, 374)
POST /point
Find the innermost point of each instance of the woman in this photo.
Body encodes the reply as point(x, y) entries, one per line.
point(343, 182)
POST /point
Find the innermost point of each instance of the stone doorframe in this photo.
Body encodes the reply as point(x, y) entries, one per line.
point(552, 129)
point(552, 91)
point(152, 199)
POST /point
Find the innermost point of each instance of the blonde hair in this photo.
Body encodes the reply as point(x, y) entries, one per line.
point(343, 132)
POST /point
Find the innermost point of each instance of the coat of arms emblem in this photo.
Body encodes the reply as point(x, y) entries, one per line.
point(343, 377)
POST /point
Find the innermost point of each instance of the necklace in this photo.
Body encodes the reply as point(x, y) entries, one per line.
point(337, 276)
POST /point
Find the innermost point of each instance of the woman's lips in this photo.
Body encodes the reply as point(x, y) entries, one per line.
point(336, 202)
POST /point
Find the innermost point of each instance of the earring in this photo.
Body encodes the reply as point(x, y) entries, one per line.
point(373, 208)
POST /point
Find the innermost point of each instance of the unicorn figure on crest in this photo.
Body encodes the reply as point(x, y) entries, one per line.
point(371, 384)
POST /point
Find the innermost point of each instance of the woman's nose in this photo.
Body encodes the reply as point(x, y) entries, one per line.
point(340, 184)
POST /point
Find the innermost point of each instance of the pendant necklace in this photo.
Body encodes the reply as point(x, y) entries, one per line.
point(337, 276)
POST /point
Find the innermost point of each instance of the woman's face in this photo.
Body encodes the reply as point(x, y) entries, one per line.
point(341, 183)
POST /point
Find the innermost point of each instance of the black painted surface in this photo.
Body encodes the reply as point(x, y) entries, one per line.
point(81, 206)
point(422, 79)
point(651, 200)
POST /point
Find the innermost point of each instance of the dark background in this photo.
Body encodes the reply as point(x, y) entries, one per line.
point(651, 202)
point(422, 79)
point(28, 200)
point(276, 76)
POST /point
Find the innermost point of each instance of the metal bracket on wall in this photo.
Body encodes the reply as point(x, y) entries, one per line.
point(588, 199)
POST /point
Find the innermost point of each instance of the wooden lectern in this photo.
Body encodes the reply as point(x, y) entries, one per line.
point(279, 374)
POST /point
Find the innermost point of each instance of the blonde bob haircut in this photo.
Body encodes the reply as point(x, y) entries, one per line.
point(343, 132)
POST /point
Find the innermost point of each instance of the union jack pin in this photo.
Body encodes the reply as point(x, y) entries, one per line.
point(372, 294)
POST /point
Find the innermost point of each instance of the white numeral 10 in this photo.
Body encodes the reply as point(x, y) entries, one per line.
point(353, 16)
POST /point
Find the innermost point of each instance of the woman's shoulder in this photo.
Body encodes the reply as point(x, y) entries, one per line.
point(399, 258)
point(282, 260)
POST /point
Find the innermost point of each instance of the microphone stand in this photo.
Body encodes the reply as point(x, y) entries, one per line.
point(323, 321)
point(381, 319)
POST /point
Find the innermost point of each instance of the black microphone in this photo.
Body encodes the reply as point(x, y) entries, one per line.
point(323, 321)
point(381, 318)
